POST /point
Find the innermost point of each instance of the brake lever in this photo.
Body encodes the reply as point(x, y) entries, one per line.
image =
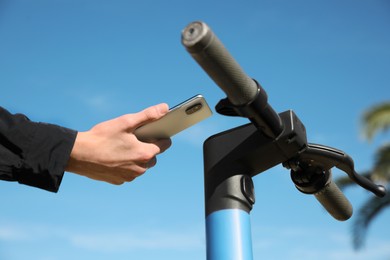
point(327, 157)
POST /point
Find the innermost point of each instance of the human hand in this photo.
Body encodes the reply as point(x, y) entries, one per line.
point(110, 151)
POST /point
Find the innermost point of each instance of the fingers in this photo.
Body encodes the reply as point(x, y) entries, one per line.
point(148, 159)
point(148, 162)
point(151, 163)
point(133, 172)
point(118, 176)
point(145, 161)
point(163, 144)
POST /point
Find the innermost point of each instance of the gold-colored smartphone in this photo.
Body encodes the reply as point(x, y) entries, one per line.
point(179, 117)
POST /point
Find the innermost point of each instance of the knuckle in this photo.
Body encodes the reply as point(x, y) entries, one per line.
point(146, 156)
point(128, 176)
point(139, 171)
point(127, 120)
point(152, 114)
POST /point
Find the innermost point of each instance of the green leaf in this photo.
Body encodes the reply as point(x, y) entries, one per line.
point(381, 169)
point(365, 215)
point(376, 119)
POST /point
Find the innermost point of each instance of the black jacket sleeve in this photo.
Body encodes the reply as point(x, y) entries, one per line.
point(33, 153)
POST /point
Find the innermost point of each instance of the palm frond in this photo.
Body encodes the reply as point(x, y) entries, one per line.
point(376, 119)
point(381, 171)
point(365, 215)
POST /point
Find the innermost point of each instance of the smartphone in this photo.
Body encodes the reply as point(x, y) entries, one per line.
point(179, 117)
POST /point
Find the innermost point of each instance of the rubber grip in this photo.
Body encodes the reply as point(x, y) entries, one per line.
point(213, 57)
point(334, 201)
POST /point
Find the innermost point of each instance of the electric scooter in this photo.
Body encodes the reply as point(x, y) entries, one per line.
point(233, 157)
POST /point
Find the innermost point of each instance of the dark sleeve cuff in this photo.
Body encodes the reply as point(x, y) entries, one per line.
point(45, 155)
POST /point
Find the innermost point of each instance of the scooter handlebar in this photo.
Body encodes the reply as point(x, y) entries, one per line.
point(213, 57)
point(334, 201)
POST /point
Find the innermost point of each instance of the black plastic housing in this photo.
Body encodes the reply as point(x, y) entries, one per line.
point(247, 151)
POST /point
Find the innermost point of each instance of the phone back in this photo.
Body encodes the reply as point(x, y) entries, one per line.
point(176, 120)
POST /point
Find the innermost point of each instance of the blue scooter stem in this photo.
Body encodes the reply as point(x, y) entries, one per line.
point(228, 235)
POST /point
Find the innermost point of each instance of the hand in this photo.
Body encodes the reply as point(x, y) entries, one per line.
point(110, 151)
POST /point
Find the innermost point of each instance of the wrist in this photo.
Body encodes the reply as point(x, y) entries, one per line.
point(77, 156)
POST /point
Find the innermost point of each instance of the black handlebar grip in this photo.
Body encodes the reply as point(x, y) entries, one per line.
point(212, 56)
point(334, 201)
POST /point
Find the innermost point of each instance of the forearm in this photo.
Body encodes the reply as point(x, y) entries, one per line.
point(37, 154)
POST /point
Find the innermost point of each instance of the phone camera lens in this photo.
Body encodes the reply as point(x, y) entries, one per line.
point(193, 109)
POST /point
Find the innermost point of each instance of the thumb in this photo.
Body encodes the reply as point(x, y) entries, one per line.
point(151, 114)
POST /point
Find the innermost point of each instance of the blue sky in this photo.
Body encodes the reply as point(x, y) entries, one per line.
point(79, 62)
